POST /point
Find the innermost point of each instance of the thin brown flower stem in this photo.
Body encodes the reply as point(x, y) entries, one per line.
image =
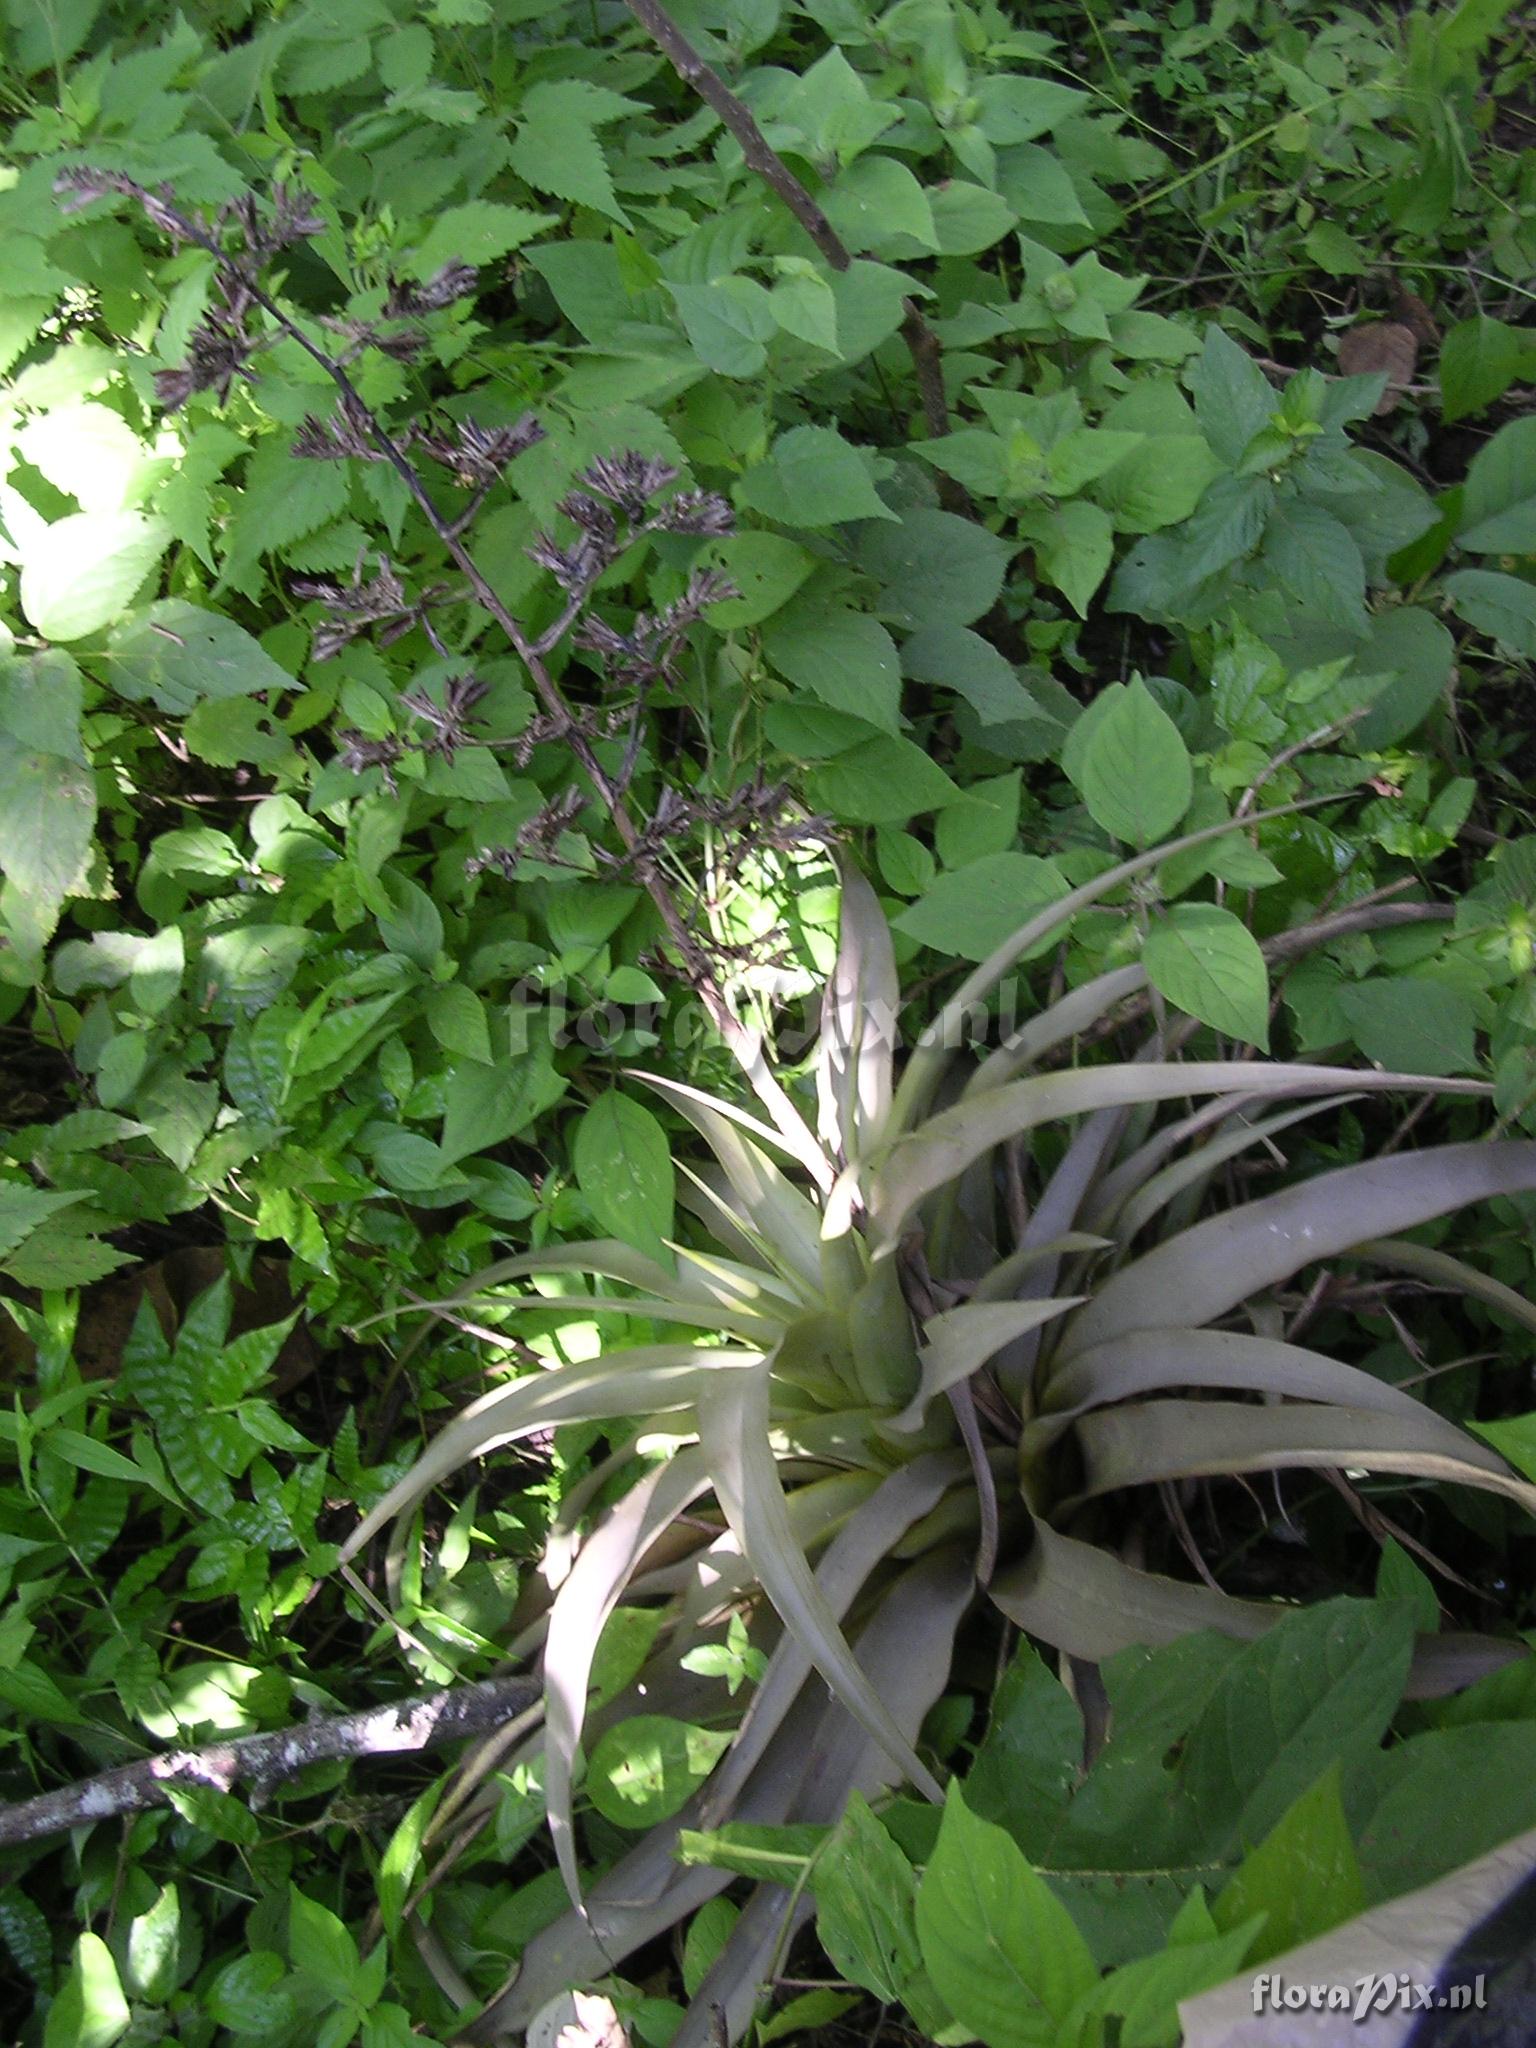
point(761, 158)
point(744, 1045)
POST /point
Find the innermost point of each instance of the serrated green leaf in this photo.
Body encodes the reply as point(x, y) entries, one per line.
point(1208, 963)
point(1233, 398)
point(319, 1944)
point(556, 147)
point(843, 657)
point(47, 816)
point(954, 658)
point(878, 205)
point(767, 570)
point(999, 1947)
point(624, 1168)
point(1134, 771)
point(1074, 546)
point(479, 232)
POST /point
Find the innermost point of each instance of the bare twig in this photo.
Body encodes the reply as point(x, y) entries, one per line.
point(261, 1762)
point(764, 160)
point(1320, 738)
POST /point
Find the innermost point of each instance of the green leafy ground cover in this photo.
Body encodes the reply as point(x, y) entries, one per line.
point(321, 982)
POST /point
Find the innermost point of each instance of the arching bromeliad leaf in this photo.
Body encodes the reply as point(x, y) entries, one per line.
point(733, 1428)
point(1157, 1440)
point(1207, 1270)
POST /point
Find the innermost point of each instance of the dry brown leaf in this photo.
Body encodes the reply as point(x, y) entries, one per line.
point(1381, 345)
point(1413, 312)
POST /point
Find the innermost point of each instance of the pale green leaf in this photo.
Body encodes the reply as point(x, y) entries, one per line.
point(643, 1769)
point(844, 657)
point(478, 232)
point(812, 477)
point(90, 2010)
point(79, 574)
point(971, 911)
point(624, 1168)
point(177, 655)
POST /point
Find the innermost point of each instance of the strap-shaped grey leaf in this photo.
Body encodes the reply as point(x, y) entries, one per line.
point(651, 1379)
point(590, 1594)
point(1002, 1280)
point(1067, 1018)
point(606, 1258)
point(1441, 1269)
point(907, 1647)
point(866, 1539)
point(743, 1285)
point(961, 1340)
point(1159, 1361)
point(1138, 1190)
point(1207, 1270)
point(1153, 1440)
point(706, 1193)
point(711, 1316)
point(916, 1089)
point(1085, 1601)
point(948, 1143)
point(778, 1213)
point(733, 1428)
point(733, 1986)
point(859, 1005)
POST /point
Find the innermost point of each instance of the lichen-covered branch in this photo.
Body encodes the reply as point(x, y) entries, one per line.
point(262, 1762)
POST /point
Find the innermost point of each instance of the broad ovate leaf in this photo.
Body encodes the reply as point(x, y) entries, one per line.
point(1207, 962)
point(80, 573)
point(1133, 769)
point(999, 1947)
point(623, 1161)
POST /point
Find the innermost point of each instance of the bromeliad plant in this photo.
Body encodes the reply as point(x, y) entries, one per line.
point(922, 1366)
